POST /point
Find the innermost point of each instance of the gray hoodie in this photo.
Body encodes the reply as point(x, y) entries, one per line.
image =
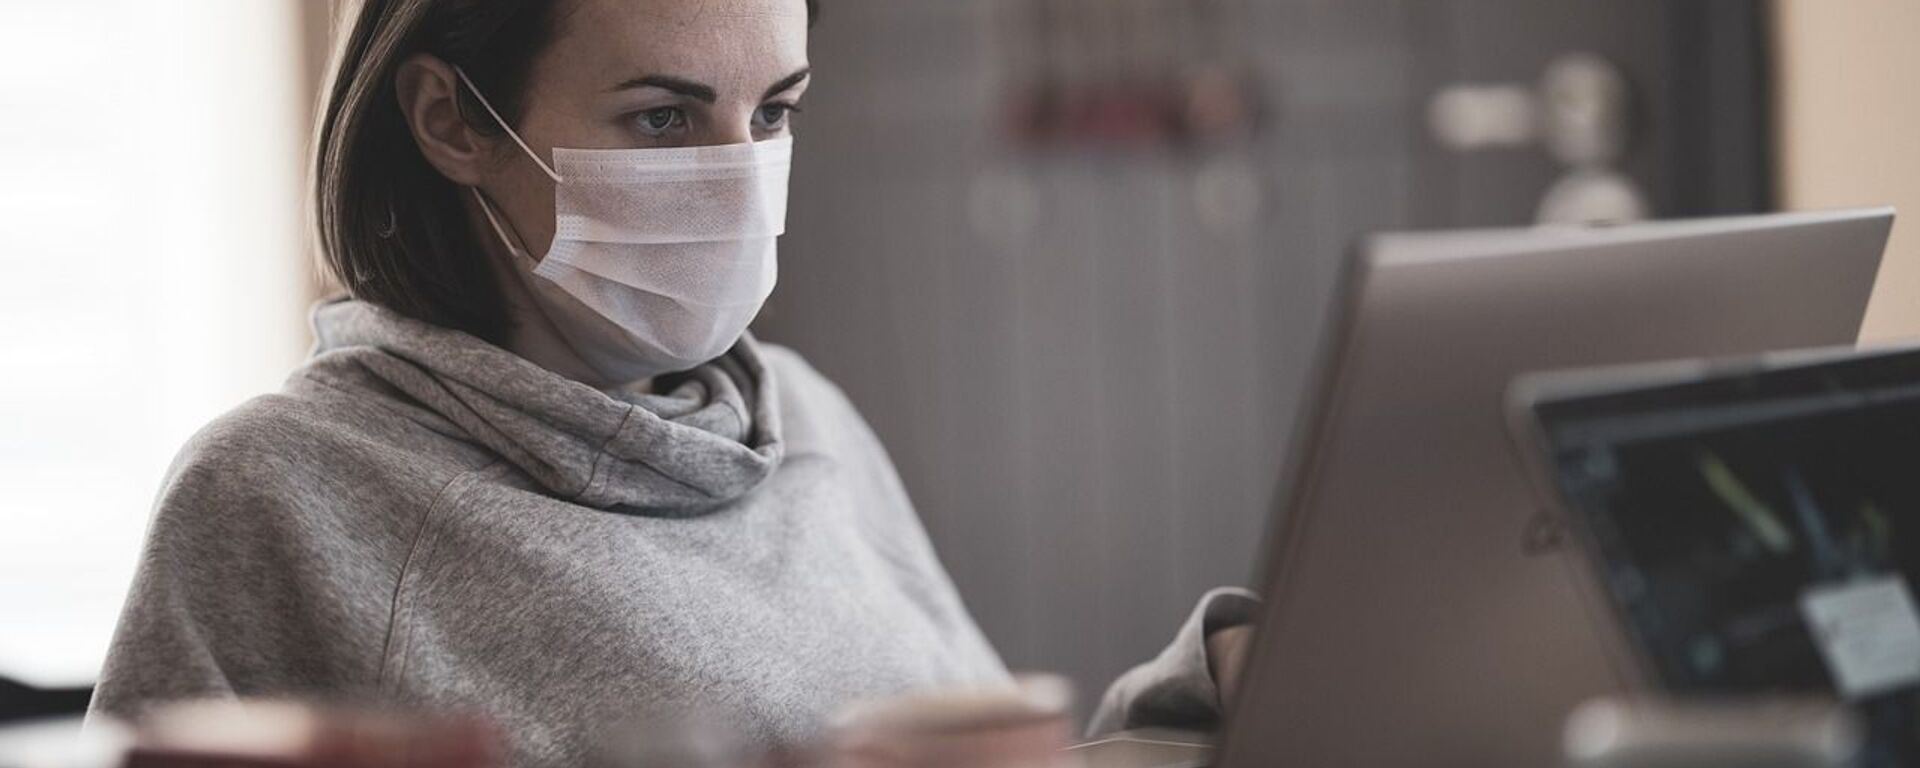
point(423, 519)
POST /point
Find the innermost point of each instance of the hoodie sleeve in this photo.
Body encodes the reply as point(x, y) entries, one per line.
point(1176, 689)
point(888, 515)
point(163, 648)
point(252, 581)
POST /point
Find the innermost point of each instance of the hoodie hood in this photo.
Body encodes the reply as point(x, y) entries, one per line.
point(712, 435)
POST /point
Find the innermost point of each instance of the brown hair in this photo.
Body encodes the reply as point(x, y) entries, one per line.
point(391, 229)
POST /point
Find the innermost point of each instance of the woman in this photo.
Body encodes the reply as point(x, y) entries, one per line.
point(535, 467)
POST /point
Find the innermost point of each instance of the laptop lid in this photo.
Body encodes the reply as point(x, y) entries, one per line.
point(1409, 619)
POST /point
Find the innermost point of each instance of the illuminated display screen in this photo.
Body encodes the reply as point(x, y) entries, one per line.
point(1758, 532)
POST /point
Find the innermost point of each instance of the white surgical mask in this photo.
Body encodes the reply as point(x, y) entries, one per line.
point(673, 250)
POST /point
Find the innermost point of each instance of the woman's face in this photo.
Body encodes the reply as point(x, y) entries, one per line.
point(623, 74)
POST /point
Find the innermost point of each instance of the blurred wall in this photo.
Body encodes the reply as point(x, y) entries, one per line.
point(1849, 129)
point(1084, 367)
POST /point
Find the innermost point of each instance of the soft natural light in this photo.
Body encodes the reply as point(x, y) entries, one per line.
point(155, 277)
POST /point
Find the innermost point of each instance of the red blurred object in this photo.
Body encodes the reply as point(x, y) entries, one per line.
point(285, 735)
point(1213, 108)
point(1136, 75)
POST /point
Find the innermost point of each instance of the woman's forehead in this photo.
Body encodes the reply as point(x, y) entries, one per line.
point(718, 40)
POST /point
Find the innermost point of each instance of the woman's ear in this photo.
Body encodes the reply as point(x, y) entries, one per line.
point(428, 90)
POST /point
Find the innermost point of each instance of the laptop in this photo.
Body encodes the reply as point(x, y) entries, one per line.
point(1749, 527)
point(1417, 612)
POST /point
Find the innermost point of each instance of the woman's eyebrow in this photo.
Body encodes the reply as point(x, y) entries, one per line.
point(788, 82)
point(679, 85)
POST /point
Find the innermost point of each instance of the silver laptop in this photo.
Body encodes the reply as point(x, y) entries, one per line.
point(1418, 611)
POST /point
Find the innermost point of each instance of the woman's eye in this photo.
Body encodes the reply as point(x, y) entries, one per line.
point(662, 121)
point(773, 117)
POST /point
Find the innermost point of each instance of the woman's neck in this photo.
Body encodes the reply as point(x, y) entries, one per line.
point(532, 335)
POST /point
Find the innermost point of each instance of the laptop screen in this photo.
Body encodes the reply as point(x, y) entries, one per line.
point(1760, 532)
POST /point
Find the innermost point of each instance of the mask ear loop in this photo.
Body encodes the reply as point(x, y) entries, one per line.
point(500, 229)
point(503, 125)
point(486, 206)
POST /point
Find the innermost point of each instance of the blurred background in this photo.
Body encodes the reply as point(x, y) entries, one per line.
point(1070, 257)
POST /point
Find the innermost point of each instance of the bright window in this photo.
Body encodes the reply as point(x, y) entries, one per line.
point(155, 276)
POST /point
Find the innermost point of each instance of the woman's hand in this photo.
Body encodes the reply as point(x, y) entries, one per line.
point(1227, 651)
